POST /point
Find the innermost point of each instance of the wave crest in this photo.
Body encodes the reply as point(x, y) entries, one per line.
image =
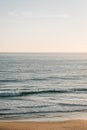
point(25, 93)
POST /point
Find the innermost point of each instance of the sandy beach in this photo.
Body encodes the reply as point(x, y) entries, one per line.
point(66, 125)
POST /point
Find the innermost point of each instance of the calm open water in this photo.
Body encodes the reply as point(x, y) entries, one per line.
point(42, 85)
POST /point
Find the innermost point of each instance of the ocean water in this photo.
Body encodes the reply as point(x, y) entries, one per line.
point(42, 86)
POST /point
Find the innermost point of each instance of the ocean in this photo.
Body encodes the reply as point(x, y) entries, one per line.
point(43, 86)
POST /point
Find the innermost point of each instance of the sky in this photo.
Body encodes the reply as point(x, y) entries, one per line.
point(43, 25)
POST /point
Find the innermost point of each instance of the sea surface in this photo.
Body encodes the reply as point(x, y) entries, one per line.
point(43, 86)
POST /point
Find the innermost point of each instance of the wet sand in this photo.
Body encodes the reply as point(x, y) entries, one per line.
point(66, 125)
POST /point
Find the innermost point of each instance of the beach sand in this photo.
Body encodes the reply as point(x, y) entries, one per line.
point(66, 125)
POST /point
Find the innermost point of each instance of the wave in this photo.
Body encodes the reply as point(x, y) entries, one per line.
point(25, 93)
point(80, 89)
point(36, 79)
point(67, 104)
point(7, 80)
point(42, 112)
point(39, 79)
point(22, 80)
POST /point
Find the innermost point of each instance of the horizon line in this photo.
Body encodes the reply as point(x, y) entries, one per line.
point(47, 52)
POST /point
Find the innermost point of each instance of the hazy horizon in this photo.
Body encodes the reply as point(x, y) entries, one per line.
point(43, 26)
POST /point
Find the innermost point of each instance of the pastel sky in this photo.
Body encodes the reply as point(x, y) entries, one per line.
point(43, 25)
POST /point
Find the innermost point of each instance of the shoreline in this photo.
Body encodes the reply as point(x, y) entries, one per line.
point(51, 118)
point(27, 125)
